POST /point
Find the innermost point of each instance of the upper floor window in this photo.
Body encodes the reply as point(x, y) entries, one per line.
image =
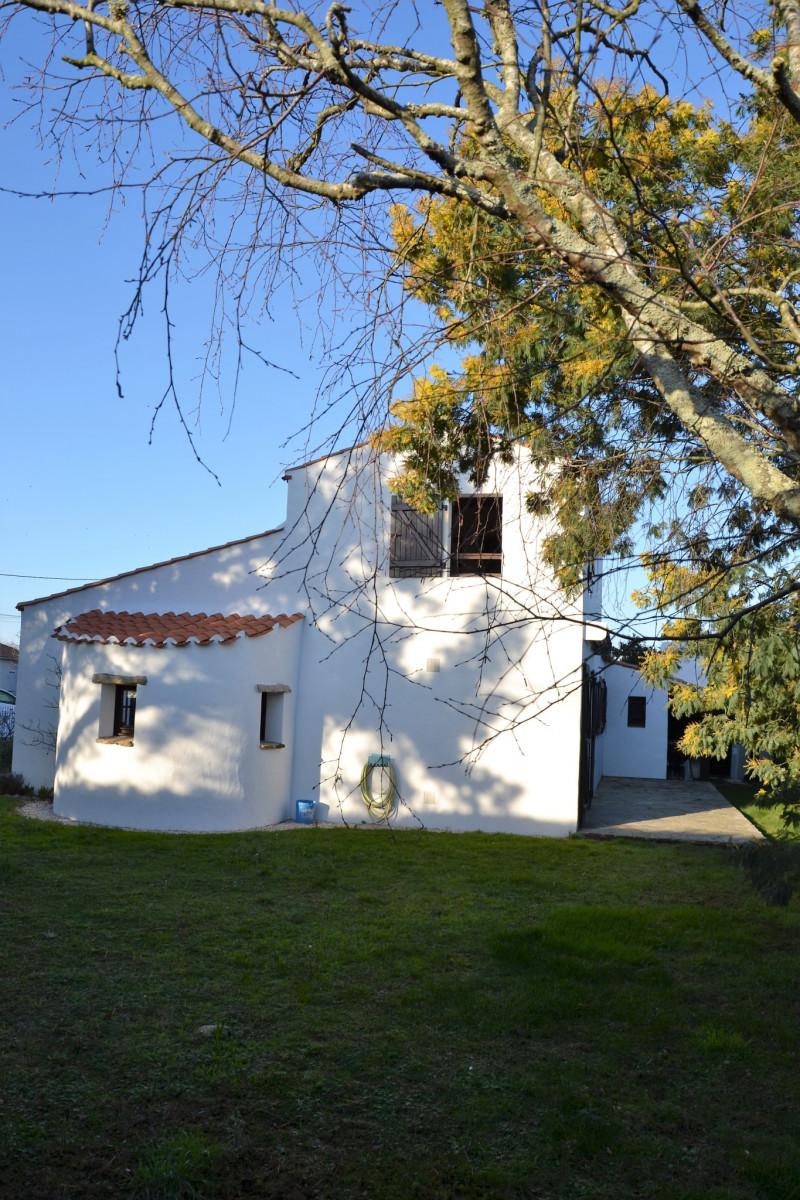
point(476, 535)
point(467, 537)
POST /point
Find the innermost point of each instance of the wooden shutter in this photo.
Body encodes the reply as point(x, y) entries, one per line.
point(416, 549)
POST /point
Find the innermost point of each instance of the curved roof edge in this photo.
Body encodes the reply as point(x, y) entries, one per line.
point(167, 562)
point(168, 629)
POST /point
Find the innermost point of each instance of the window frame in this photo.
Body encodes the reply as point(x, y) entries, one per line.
point(272, 715)
point(112, 731)
point(468, 556)
point(124, 710)
point(637, 705)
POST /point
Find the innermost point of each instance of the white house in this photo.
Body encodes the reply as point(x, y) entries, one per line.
point(641, 736)
point(636, 739)
point(359, 646)
point(9, 658)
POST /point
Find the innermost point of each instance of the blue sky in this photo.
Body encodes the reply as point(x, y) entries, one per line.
point(83, 493)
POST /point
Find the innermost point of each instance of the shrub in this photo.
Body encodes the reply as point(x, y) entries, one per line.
point(14, 785)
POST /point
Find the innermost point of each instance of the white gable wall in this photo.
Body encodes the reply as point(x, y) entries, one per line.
point(630, 752)
point(225, 580)
point(483, 705)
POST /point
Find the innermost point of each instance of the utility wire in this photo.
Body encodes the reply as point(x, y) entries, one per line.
point(57, 578)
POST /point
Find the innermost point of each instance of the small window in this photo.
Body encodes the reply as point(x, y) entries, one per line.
point(476, 535)
point(124, 709)
point(636, 712)
point(118, 707)
point(271, 733)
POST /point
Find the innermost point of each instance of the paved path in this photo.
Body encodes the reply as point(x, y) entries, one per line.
point(666, 809)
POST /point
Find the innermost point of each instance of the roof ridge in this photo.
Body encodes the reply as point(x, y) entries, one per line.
point(324, 457)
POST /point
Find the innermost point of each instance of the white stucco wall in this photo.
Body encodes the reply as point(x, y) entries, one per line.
point(630, 752)
point(225, 580)
point(483, 701)
point(195, 762)
point(471, 685)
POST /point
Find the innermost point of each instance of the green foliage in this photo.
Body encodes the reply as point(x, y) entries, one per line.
point(749, 650)
point(12, 784)
point(545, 358)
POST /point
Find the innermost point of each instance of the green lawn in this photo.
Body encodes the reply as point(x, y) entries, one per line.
point(407, 1016)
point(768, 818)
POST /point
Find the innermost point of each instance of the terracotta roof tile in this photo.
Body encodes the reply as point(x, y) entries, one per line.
point(167, 629)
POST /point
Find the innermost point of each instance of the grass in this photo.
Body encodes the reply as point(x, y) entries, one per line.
point(766, 817)
point(394, 1017)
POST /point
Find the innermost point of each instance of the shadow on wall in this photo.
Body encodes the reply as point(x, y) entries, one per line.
point(459, 678)
point(186, 767)
point(483, 802)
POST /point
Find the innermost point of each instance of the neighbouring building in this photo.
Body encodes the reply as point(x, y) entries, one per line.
point(9, 659)
point(641, 735)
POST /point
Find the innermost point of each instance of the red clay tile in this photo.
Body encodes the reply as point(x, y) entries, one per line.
point(156, 629)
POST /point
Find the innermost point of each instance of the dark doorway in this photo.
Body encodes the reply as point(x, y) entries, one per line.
point(594, 704)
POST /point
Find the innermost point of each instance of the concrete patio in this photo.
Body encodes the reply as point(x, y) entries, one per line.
point(666, 810)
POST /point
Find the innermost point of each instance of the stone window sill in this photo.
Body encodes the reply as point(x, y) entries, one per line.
point(119, 740)
point(272, 745)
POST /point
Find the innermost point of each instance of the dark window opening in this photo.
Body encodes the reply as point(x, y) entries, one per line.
point(124, 710)
point(416, 548)
point(271, 730)
point(637, 706)
point(476, 535)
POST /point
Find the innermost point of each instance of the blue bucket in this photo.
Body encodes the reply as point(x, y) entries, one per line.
point(304, 811)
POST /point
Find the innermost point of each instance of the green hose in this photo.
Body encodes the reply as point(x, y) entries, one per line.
point(379, 806)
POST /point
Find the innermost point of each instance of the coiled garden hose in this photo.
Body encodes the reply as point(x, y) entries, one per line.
point(381, 805)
